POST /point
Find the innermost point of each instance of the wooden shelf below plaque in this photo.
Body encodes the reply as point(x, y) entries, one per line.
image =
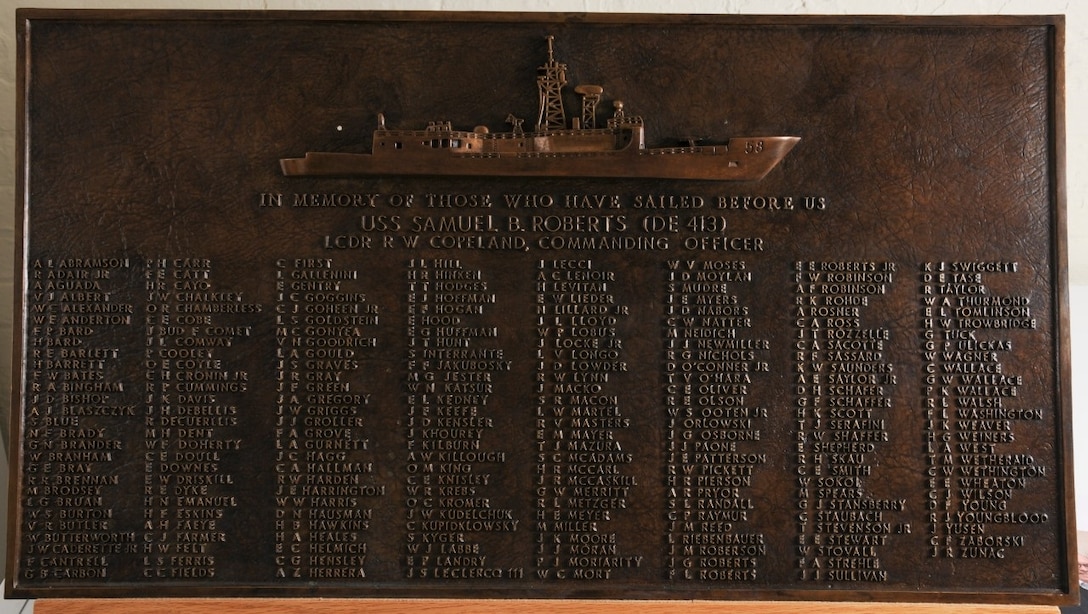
point(444, 606)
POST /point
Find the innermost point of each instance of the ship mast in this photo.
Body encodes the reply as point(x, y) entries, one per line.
point(550, 82)
point(591, 95)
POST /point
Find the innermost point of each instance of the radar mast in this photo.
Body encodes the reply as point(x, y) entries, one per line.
point(550, 82)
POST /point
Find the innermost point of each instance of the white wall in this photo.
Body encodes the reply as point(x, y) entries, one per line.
point(1078, 304)
point(1076, 12)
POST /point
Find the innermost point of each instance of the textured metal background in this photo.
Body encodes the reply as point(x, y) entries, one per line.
point(156, 137)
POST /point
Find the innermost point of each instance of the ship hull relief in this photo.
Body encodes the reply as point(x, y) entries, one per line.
point(714, 162)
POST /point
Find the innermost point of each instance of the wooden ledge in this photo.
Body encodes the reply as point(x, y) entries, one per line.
point(505, 606)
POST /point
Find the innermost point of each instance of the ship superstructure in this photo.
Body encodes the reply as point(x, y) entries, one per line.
point(554, 147)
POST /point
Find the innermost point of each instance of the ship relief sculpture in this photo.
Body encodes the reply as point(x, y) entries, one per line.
point(553, 149)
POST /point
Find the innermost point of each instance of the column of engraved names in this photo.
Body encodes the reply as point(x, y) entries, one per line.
point(843, 394)
point(193, 421)
point(972, 408)
point(325, 332)
point(453, 497)
point(582, 485)
point(72, 448)
point(713, 432)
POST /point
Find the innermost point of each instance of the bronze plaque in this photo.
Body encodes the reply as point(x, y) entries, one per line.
point(507, 305)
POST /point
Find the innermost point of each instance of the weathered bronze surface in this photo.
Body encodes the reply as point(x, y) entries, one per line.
point(595, 356)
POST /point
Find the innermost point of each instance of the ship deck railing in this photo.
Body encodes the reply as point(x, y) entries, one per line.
point(699, 149)
point(705, 150)
point(542, 154)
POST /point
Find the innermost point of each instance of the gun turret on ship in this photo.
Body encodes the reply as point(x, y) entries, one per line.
point(555, 148)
